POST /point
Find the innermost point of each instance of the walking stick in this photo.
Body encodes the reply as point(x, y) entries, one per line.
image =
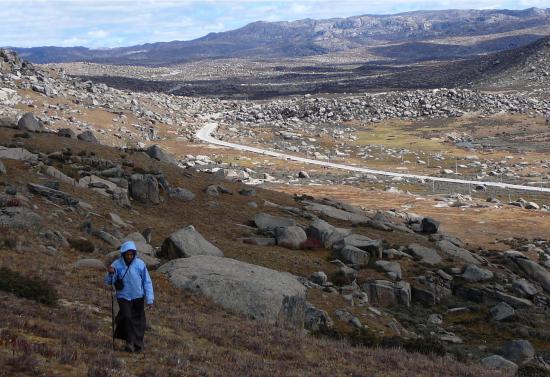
point(113, 314)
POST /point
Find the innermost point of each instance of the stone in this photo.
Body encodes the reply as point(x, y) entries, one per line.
point(181, 194)
point(326, 233)
point(430, 289)
point(524, 287)
point(429, 225)
point(347, 317)
point(144, 188)
point(515, 302)
point(3, 169)
point(536, 272)
point(247, 192)
point(373, 247)
point(435, 319)
point(29, 123)
point(94, 264)
point(392, 268)
point(66, 132)
point(451, 250)
point(19, 218)
point(303, 174)
point(266, 222)
point(519, 351)
point(319, 277)
point(157, 153)
point(117, 220)
point(88, 137)
point(260, 293)
point(501, 312)
point(500, 363)
point(187, 242)
point(53, 172)
point(355, 256)
point(473, 273)
point(424, 254)
point(336, 213)
point(105, 236)
point(56, 196)
point(19, 154)
point(316, 319)
point(386, 293)
point(291, 237)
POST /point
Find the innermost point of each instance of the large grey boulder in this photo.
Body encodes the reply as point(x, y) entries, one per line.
point(187, 242)
point(536, 272)
point(266, 222)
point(386, 293)
point(142, 245)
point(19, 218)
point(450, 249)
point(373, 247)
point(424, 254)
point(519, 351)
point(88, 137)
point(291, 237)
point(355, 256)
point(66, 132)
point(144, 188)
point(258, 292)
point(20, 154)
point(335, 213)
point(524, 287)
point(156, 152)
point(393, 269)
point(326, 233)
point(500, 363)
point(473, 273)
point(29, 123)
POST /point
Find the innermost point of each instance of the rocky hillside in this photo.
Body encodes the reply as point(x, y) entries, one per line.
point(312, 37)
point(248, 281)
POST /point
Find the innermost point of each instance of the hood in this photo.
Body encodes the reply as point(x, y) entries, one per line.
point(126, 246)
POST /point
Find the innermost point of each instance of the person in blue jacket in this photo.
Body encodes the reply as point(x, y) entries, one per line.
point(136, 290)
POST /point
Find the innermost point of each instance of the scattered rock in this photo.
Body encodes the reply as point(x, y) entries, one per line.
point(265, 222)
point(519, 351)
point(316, 319)
point(473, 273)
point(187, 242)
point(424, 254)
point(181, 194)
point(291, 237)
point(88, 137)
point(144, 188)
point(501, 312)
point(29, 123)
point(81, 244)
point(19, 218)
point(500, 363)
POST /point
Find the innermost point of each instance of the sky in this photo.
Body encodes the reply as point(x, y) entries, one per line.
point(115, 23)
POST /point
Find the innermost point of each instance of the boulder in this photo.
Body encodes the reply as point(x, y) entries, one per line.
point(181, 194)
point(393, 269)
point(500, 363)
point(450, 249)
point(473, 273)
point(319, 277)
point(144, 188)
point(386, 293)
point(501, 311)
point(291, 237)
point(524, 287)
point(81, 244)
point(326, 233)
point(156, 152)
point(336, 213)
point(519, 351)
point(2, 168)
point(424, 254)
point(355, 256)
point(29, 123)
point(258, 292)
point(266, 222)
point(187, 242)
point(429, 225)
point(66, 132)
point(142, 245)
point(19, 218)
point(316, 319)
point(536, 272)
point(56, 196)
point(20, 154)
point(88, 137)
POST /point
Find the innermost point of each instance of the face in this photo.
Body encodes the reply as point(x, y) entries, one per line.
point(129, 255)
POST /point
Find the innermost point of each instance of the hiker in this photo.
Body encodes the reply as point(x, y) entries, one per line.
point(136, 289)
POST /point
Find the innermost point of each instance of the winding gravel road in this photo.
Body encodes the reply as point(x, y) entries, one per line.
point(204, 134)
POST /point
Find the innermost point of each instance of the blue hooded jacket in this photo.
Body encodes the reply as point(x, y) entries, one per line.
point(137, 282)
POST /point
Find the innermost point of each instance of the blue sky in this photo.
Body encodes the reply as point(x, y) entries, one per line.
point(113, 23)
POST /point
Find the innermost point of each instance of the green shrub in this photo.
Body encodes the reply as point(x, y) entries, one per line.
point(21, 286)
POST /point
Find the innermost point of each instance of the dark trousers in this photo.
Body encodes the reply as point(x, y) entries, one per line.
point(130, 321)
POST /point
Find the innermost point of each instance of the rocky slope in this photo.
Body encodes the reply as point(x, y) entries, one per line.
point(312, 37)
point(389, 278)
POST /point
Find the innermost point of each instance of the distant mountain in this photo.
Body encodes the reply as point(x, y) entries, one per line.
point(397, 36)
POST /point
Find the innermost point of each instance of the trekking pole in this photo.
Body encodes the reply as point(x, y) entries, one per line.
point(113, 314)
